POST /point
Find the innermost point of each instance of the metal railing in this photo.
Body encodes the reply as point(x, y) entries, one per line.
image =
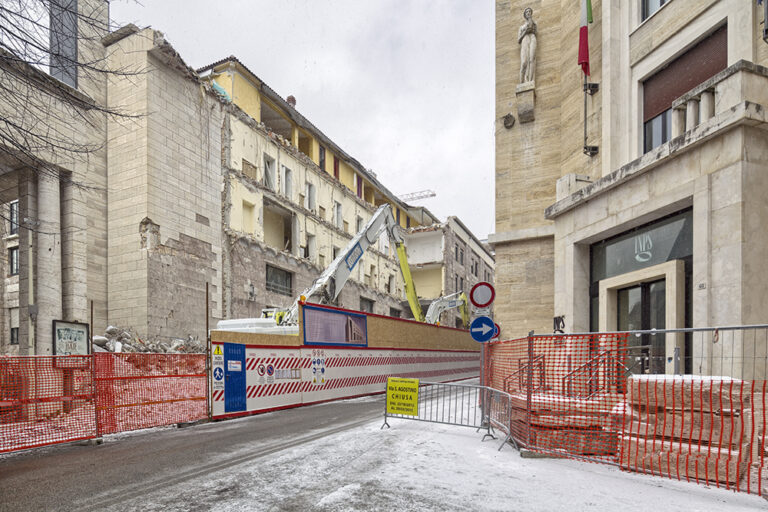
point(463, 405)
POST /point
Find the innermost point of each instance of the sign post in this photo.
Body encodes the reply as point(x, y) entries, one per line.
point(482, 329)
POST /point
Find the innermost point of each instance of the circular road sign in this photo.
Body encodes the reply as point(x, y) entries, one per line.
point(482, 329)
point(498, 331)
point(482, 294)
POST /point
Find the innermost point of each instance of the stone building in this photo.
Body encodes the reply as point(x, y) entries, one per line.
point(446, 258)
point(640, 205)
point(213, 182)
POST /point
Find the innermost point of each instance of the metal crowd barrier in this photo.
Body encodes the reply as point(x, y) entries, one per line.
point(463, 405)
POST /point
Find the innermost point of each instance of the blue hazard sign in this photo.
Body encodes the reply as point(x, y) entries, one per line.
point(482, 329)
point(218, 373)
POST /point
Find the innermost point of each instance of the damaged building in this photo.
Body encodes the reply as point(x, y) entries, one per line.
point(446, 258)
point(214, 188)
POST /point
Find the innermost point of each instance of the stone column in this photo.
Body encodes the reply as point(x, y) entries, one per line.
point(707, 106)
point(691, 114)
point(27, 256)
point(678, 122)
point(48, 285)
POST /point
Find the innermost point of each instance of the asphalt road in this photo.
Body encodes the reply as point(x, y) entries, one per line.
point(99, 477)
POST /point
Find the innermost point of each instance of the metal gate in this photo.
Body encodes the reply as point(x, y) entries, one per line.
point(234, 377)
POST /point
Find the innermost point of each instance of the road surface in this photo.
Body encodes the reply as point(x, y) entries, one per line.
point(128, 467)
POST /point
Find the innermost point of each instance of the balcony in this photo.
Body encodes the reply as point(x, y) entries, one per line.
point(736, 96)
point(735, 89)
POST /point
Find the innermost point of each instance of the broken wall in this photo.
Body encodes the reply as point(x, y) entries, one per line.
point(165, 200)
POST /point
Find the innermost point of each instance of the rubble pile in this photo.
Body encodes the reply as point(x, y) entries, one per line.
point(116, 339)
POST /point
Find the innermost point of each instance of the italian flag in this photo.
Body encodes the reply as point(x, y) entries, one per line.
point(586, 18)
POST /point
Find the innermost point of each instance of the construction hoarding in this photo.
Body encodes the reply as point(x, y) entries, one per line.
point(257, 375)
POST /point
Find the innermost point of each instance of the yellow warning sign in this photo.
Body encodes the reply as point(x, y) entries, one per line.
point(403, 396)
point(217, 351)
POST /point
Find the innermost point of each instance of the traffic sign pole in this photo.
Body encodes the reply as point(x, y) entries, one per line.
point(482, 329)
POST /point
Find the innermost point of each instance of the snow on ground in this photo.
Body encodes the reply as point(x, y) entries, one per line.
point(417, 466)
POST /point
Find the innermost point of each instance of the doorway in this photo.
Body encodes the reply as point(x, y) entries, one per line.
point(643, 307)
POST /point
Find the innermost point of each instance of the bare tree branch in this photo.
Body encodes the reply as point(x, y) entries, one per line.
point(51, 57)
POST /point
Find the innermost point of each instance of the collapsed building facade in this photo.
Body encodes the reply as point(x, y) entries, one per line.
point(211, 188)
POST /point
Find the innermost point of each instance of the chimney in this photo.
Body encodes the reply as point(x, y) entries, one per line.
point(291, 101)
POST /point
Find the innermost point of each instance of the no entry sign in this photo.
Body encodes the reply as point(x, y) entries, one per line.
point(482, 294)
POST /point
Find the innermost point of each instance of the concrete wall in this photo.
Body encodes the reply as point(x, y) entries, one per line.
point(165, 205)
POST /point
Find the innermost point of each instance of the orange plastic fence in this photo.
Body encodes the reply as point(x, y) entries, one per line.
point(45, 400)
point(135, 391)
point(580, 396)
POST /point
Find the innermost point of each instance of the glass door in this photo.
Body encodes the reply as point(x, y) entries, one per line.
point(643, 307)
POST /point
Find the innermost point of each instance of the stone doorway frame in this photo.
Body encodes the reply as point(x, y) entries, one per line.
point(673, 272)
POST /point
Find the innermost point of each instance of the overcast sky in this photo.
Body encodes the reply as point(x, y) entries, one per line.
point(404, 86)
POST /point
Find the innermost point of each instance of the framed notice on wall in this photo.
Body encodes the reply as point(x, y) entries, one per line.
point(70, 339)
point(324, 326)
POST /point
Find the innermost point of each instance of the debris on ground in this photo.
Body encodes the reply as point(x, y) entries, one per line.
point(117, 339)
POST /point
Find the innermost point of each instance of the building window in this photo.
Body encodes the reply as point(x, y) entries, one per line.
point(461, 256)
point(461, 284)
point(338, 219)
point(359, 186)
point(359, 224)
point(270, 180)
point(651, 6)
point(249, 215)
point(14, 324)
point(311, 248)
point(335, 252)
point(657, 131)
point(321, 158)
point(250, 170)
point(335, 167)
point(695, 66)
point(63, 34)
point(397, 215)
point(390, 287)
point(395, 313)
point(366, 305)
point(279, 281)
point(456, 252)
point(407, 222)
point(14, 217)
point(309, 197)
point(13, 261)
point(286, 182)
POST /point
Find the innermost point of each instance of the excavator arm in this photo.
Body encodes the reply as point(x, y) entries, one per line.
point(328, 286)
point(455, 300)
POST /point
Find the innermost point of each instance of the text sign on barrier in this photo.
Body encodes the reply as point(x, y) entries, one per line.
point(403, 396)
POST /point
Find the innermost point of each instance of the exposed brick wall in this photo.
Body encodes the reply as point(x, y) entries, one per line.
point(178, 271)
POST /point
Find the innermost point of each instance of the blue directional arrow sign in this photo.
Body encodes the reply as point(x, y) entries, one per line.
point(482, 329)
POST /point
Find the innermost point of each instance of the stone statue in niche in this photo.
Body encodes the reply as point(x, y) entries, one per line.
point(526, 37)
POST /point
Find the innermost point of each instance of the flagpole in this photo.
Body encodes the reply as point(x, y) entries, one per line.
point(585, 112)
point(589, 88)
